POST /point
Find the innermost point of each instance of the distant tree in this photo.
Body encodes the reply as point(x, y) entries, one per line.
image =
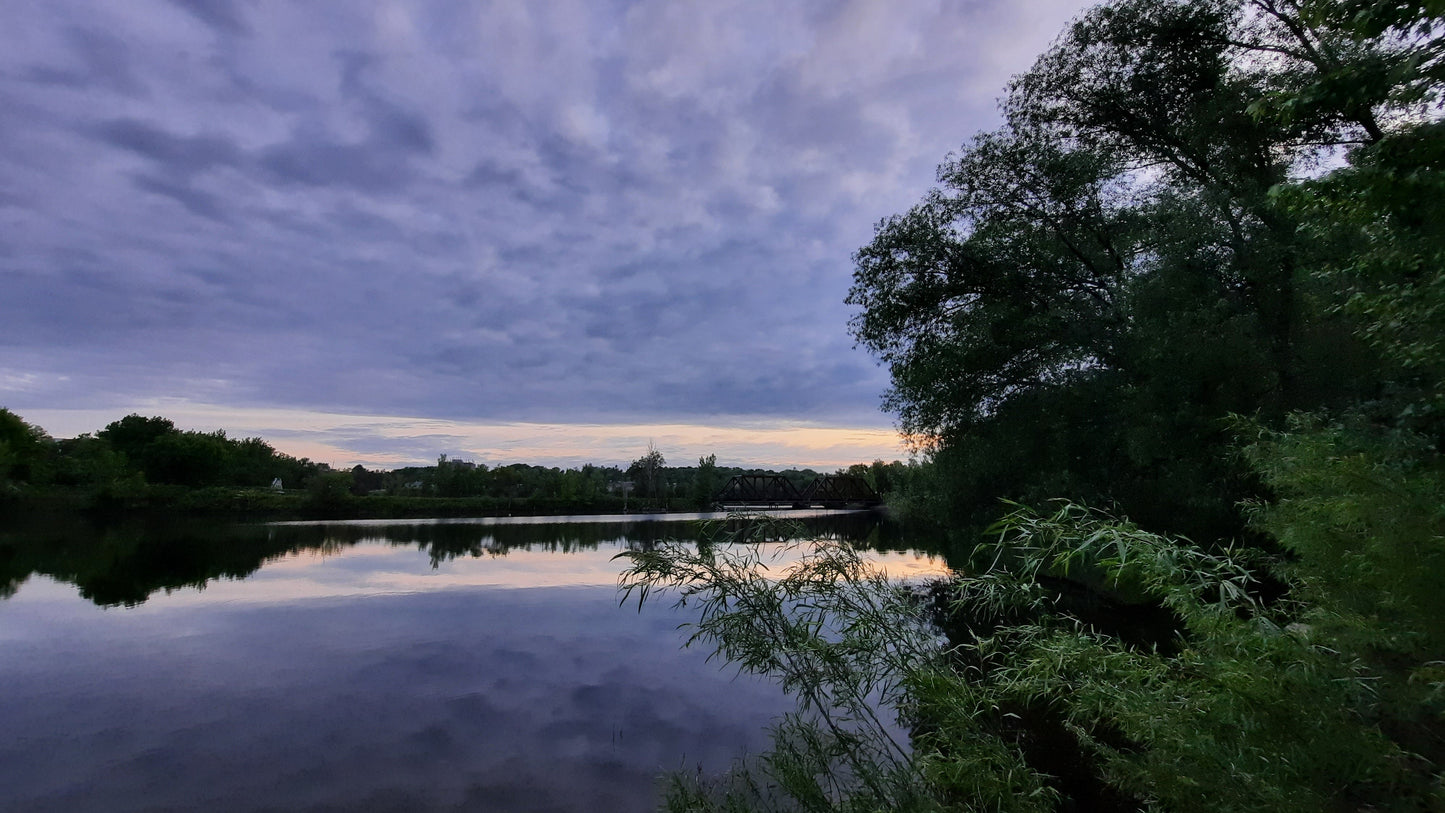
point(706, 482)
point(646, 470)
point(88, 461)
point(251, 462)
point(25, 450)
point(132, 434)
point(196, 459)
point(365, 481)
point(329, 490)
point(886, 477)
point(295, 472)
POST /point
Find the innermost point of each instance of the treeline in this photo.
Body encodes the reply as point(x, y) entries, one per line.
point(647, 481)
point(648, 484)
point(141, 462)
point(134, 459)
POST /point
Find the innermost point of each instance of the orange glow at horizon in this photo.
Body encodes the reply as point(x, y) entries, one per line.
point(343, 439)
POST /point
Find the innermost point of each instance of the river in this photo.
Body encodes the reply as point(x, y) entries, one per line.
point(362, 666)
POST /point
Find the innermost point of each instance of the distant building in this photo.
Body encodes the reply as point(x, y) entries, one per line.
point(276, 485)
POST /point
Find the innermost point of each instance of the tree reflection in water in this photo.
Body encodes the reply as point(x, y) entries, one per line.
point(123, 565)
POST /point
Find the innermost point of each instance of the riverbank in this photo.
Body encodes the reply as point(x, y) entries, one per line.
point(253, 505)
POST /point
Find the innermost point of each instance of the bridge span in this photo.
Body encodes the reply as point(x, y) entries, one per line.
point(776, 491)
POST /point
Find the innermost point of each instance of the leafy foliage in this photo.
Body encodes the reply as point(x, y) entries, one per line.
point(1244, 712)
point(24, 450)
point(1362, 511)
point(1035, 700)
point(1094, 287)
point(1379, 228)
point(836, 635)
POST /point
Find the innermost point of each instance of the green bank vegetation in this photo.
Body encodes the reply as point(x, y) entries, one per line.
point(1173, 335)
point(146, 464)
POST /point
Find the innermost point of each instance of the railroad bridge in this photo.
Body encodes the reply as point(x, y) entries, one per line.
point(773, 491)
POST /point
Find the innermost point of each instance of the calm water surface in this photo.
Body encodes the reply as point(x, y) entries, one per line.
point(360, 666)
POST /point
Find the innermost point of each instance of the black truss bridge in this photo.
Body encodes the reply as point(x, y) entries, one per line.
point(776, 491)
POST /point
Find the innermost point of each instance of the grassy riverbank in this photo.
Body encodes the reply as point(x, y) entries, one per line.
point(252, 504)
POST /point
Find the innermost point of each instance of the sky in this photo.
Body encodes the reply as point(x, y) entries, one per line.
point(546, 232)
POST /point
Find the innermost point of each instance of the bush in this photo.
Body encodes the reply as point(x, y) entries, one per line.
point(1036, 699)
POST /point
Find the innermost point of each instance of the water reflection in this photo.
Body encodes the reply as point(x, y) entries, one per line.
point(471, 700)
point(127, 565)
point(358, 667)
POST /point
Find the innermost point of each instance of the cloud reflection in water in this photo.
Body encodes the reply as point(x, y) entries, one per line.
point(360, 677)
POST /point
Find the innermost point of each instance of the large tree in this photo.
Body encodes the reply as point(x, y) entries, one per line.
point(1095, 285)
point(25, 450)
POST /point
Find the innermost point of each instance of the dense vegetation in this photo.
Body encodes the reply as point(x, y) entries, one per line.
point(132, 462)
point(1155, 240)
point(146, 463)
point(1194, 280)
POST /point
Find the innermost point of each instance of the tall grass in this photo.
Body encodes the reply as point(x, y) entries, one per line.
point(1041, 695)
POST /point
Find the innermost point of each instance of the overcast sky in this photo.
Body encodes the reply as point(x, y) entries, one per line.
point(541, 231)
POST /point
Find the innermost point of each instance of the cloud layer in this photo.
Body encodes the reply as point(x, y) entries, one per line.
point(551, 212)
